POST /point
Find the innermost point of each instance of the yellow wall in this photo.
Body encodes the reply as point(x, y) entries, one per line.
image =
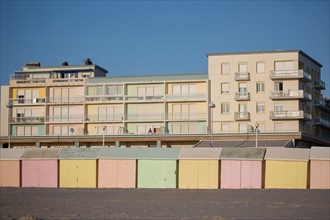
point(286, 174)
point(199, 174)
point(78, 173)
point(42, 92)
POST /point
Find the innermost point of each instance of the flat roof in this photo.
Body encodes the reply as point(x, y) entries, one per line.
point(79, 153)
point(320, 153)
point(48, 153)
point(288, 154)
point(249, 143)
point(118, 153)
point(60, 68)
point(200, 153)
point(149, 78)
point(11, 153)
point(264, 52)
point(239, 153)
point(158, 154)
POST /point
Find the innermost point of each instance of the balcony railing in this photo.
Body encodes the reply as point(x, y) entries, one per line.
point(145, 98)
point(322, 122)
point(63, 100)
point(242, 96)
point(322, 104)
point(242, 76)
point(284, 115)
point(66, 118)
point(144, 117)
point(105, 99)
point(289, 94)
point(319, 84)
point(185, 97)
point(35, 101)
point(290, 74)
point(104, 118)
point(190, 116)
point(242, 116)
point(27, 120)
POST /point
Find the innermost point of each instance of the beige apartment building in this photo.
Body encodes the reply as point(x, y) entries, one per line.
point(277, 91)
point(280, 92)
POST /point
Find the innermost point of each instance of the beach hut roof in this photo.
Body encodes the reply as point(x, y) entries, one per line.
point(200, 153)
point(293, 154)
point(159, 153)
point(118, 153)
point(246, 143)
point(79, 153)
point(247, 153)
point(320, 153)
point(11, 154)
point(47, 153)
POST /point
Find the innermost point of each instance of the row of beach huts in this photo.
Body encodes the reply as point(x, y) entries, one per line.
point(185, 168)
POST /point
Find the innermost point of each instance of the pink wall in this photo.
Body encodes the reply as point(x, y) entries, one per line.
point(10, 173)
point(320, 174)
point(116, 173)
point(236, 174)
point(39, 173)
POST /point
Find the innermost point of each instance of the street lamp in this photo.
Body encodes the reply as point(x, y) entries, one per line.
point(257, 126)
point(103, 128)
point(9, 106)
point(212, 106)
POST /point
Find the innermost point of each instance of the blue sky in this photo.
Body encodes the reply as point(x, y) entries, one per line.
point(157, 37)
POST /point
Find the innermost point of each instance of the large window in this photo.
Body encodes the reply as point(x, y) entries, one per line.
point(225, 69)
point(28, 94)
point(184, 89)
point(260, 87)
point(27, 131)
point(109, 113)
point(23, 114)
point(184, 111)
point(224, 88)
point(278, 86)
point(95, 90)
point(64, 130)
point(184, 128)
point(284, 65)
point(110, 130)
point(113, 89)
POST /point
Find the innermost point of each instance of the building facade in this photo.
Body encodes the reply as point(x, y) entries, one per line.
point(279, 91)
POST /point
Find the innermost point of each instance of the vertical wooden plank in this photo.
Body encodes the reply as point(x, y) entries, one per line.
point(10, 173)
point(246, 174)
point(301, 175)
point(256, 174)
point(275, 174)
point(126, 173)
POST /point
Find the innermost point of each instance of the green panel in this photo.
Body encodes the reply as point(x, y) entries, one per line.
point(41, 129)
point(132, 90)
point(201, 127)
point(13, 130)
point(146, 174)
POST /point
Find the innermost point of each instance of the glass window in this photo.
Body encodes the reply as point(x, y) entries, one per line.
point(224, 88)
point(260, 107)
point(260, 87)
point(242, 68)
point(225, 68)
point(260, 67)
point(224, 107)
point(278, 86)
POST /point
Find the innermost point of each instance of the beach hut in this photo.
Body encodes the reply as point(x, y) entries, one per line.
point(78, 167)
point(10, 168)
point(117, 167)
point(199, 168)
point(320, 168)
point(157, 168)
point(40, 167)
point(242, 168)
point(286, 168)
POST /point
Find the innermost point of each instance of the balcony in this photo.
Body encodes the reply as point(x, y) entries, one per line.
point(290, 94)
point(319, 84)
point(289, 115)
point(242, 116)
point(188, 116)
point(104, 118)
point(35, 101)
point(65, 118)
point(144, 117)
point(186, 97)
point(242, 76)
point(322, 104)
point(322, 122)
point(150, 98)
point(104, 99)
point(290, 74)
point(27, 120)
point(65, 100)
point(242, 96)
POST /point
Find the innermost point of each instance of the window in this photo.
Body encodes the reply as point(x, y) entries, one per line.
point(260, 107)
point(184, 89)
point(184, 111)
point(242, 88)
point(64, 130)
point(95, 90)
point(224, 88)
point(224, 108)
point(242, 68)
point(225, 68)
point(283, 65)
point(260, 87)
point(260, 67)
point(114, 89)
point(278, 107)
point(110, 130)
point(184, 128)
point(109, 113)
point(278, 86)
point(27, 131)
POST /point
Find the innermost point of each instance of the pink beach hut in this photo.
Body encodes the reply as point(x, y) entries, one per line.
point(40, 167)
point(117, 167)
point(320, 168)
point(10, 172)
point(242, 168)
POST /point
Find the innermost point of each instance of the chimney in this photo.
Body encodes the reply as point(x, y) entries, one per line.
point(88, 61)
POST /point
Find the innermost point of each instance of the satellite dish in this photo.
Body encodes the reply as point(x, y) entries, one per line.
point(71, 130)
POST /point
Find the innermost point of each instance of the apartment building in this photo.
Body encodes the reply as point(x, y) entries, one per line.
point(280, 92)
point(277, 91)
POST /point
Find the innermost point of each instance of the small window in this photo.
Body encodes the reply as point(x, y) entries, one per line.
point(224, 108)
point(260, 67)
point(225, 68)
point(260, 87)
point(224, 88)
point(278, 86)
point(260, 107)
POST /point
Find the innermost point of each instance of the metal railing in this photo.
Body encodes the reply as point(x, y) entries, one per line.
point(145, 98)
point(290, 115)
point(69, 99)
point(104, 118)
point(289, 74)
point(104, 99)
point(242, 116)
point(322, 121)
point(66, 118)
point(242, 76)
point(188, 116)
point(27, 101)
point(27, 119)
point(184, 97)
point(290, 94)
point(319, 84)
point(144, 117)
point(242, 96)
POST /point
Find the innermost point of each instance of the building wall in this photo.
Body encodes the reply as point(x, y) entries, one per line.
point(4, 92)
